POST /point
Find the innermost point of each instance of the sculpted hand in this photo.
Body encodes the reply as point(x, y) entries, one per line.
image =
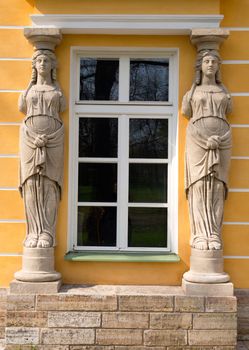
point(213, 142)
point(41, 140)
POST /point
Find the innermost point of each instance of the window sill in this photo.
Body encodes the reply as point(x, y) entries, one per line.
point(121, 257)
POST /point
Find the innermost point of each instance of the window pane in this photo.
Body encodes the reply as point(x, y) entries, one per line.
point(99, 79)
point(148, 138)
point(149, 79)
point(97, 226)
point(148, 183)
point(97, 182)
point(147, 227)
point(98, 137)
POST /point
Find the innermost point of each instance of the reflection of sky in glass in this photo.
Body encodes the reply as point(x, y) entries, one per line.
point(148, 138)
point(99, 79)
point(149, 79)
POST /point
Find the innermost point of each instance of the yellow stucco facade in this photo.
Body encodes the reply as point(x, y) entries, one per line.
point(15, 70)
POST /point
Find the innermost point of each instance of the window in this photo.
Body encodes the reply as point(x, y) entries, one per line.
point(122, 152)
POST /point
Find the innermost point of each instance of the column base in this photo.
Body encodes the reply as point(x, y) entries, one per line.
point(206, 266)
point(18, 287)
point(205, 289)
point(37, 266)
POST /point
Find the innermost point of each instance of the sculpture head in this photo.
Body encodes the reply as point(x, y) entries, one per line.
point(207, 62)
point(42, 62)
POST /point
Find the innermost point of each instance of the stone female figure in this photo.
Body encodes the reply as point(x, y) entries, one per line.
point(41, 150)
point(207, 154)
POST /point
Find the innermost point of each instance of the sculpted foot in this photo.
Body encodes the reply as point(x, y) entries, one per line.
point(214, 245)
point(45, 241)
point(202, 245)
point(31, 242)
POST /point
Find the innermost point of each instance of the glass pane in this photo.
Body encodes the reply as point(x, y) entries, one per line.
point(147, 227)
point(98, 137)
point(148, 183)
point(99, 79)
point(148, 138)
point(149, 79)
point(97, 182)
point(97, 226)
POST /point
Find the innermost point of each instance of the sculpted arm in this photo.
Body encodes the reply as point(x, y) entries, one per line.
point(22, 106)
point(186, 105)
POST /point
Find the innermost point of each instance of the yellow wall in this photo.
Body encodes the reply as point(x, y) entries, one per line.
point(15, 75)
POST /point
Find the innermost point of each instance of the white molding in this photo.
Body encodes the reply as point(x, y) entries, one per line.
point(236, 256)
point(15, 59)
point(126, 24)
point(239, 125)
point(235, 62)
point(12, 27)
point(239, 190)
point(237, 29)
point(12, 221)
point(9, 156)
point(241, 94)
point(235, 223)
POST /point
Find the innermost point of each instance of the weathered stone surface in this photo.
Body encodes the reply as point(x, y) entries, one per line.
point(215, 321)
point(145, 303)
point(94, 347)
point(243, 328)
point(125, 320)
point(170, 321)
point(189, 304)
point(119, 337)
point(2, 318)
point(202, 348)
point(20, 302)
point(3, 300)
point(139, 348)
point(165, 337)
point(67, 336)
point(216, 337)
point(18, 287)
point(62, 302)
point(26, 319)
point(22, 335)
point(37, 347)
point(221, 304)
point(74, 319)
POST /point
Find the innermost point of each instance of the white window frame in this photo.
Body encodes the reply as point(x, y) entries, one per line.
point(123, 108)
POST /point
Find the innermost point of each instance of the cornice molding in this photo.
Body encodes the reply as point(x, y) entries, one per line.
point(126, 24)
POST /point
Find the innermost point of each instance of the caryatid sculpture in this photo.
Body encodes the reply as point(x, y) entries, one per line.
point(207, 161)
point(41, 164)
point(208, 151)
point(41, 150)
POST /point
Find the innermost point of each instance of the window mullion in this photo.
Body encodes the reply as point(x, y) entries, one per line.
point(123, 181)
point(124, 78)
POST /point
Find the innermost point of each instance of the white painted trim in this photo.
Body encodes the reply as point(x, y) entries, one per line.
point(10, 254)
point(235, 62)
point(9, 156)
point(239, 190)
point(239, 125)
point(237, 29)
point(240, 157)
point(12, 221)
point(242, 94)
point(126, 24)
point(10, 124)
point(8, 189)
point(15, 59)
point(12, 27)
point(236, 256)
point(9, 90)
point(235, 223)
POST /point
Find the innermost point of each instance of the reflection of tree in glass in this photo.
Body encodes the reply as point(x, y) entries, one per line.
point(148, 138)
point(149, 80)
point(98, 79)
point(98, 137)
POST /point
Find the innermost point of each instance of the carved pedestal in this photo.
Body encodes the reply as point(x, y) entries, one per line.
point(206, 275)
point(38, 266)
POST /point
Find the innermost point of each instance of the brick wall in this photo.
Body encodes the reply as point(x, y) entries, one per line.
point(120, 318)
